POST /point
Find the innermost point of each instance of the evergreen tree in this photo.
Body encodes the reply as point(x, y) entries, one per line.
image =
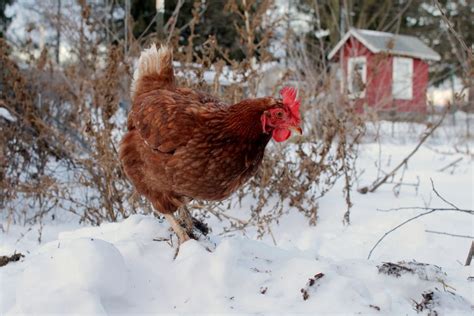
point(143, 14)
point(215, 20)
point(423, 20)
point(4, 20)
point(419, 18)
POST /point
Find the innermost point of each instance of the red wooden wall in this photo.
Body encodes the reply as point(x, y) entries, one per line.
point(379, 80)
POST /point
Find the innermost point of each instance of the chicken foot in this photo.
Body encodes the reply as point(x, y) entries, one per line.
point(186, 219)
point(186, 227)
point(195, 228)
point(177, 228)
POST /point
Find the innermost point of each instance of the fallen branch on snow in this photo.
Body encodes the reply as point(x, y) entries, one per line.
point(470, 255)
point(377, 183)
point(450, 165)
point(453, 208)
point(448, 234)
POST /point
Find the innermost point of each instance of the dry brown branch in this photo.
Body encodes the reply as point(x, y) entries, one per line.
point(467, 211)
point(171, 23)
point(451, 164)
point(431, 210)
point(451, 28)
point(470, 255)
point(448, 234)
point(377, 183)
point(442, 198)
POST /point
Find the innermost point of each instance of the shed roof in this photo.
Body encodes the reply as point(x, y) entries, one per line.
point(391, 43)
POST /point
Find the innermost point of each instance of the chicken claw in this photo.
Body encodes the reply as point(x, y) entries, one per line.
point(187, 227)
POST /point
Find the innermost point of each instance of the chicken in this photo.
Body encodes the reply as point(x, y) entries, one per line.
point(182, 144)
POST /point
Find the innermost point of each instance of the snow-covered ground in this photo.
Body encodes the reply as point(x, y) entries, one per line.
point(122, 268)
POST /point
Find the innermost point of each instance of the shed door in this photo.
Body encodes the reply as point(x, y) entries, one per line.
point(402, 83)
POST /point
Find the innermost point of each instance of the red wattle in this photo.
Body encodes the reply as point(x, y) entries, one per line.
point(281, 134)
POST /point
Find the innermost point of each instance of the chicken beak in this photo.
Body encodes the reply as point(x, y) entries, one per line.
point(296, 129)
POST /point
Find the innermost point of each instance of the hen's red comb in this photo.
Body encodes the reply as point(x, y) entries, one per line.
point(289, 99)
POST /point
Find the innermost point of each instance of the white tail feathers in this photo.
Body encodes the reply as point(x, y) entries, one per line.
point(152, 61)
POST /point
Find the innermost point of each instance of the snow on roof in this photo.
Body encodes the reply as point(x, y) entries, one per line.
point(395, 44)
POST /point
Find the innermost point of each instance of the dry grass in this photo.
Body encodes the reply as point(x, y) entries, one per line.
point(60, 153)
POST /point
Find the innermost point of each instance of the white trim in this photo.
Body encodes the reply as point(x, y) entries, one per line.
point(354, 33)
point(338, 45)
point(402, 79)
point(364, 41)
point(350, 62)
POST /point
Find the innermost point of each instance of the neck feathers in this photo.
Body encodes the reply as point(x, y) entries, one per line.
point(244, 118)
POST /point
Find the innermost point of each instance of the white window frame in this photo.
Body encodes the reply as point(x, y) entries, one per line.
point(350, 73)
point(402, 78)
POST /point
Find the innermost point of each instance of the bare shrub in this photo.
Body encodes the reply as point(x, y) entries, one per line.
point(60, 154)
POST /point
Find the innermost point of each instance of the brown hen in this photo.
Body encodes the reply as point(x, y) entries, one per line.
point(182, 144)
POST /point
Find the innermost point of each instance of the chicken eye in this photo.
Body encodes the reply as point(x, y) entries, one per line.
point(279, 114)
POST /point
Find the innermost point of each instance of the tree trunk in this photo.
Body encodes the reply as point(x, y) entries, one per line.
point(160, 15)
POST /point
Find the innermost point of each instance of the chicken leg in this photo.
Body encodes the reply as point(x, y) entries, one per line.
point(178, 229)
point(195, 228)
point(187, 227)
point(187, 221)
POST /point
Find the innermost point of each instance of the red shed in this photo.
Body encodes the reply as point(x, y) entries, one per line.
point(384, 70)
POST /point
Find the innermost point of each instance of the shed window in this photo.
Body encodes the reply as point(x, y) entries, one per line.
point(357, 76)
point(402, 84)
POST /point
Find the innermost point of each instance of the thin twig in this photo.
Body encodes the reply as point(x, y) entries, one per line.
point(451, 28)
point(153, 21)
point(450, 165)
point(229, 217)
point(271, 235)
point(442, 198)
point(430, 210)
point(427, 134)
point(448, 234)
point(471, 212)
point(470, 255)
point(395, 228)
point(171, 24)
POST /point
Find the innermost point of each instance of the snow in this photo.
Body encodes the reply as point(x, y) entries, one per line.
point(127, 272)
point(80, 273)
point(4, 113)
point(128, 267)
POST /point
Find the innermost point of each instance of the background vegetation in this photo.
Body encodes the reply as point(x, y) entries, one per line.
point(65, 81)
